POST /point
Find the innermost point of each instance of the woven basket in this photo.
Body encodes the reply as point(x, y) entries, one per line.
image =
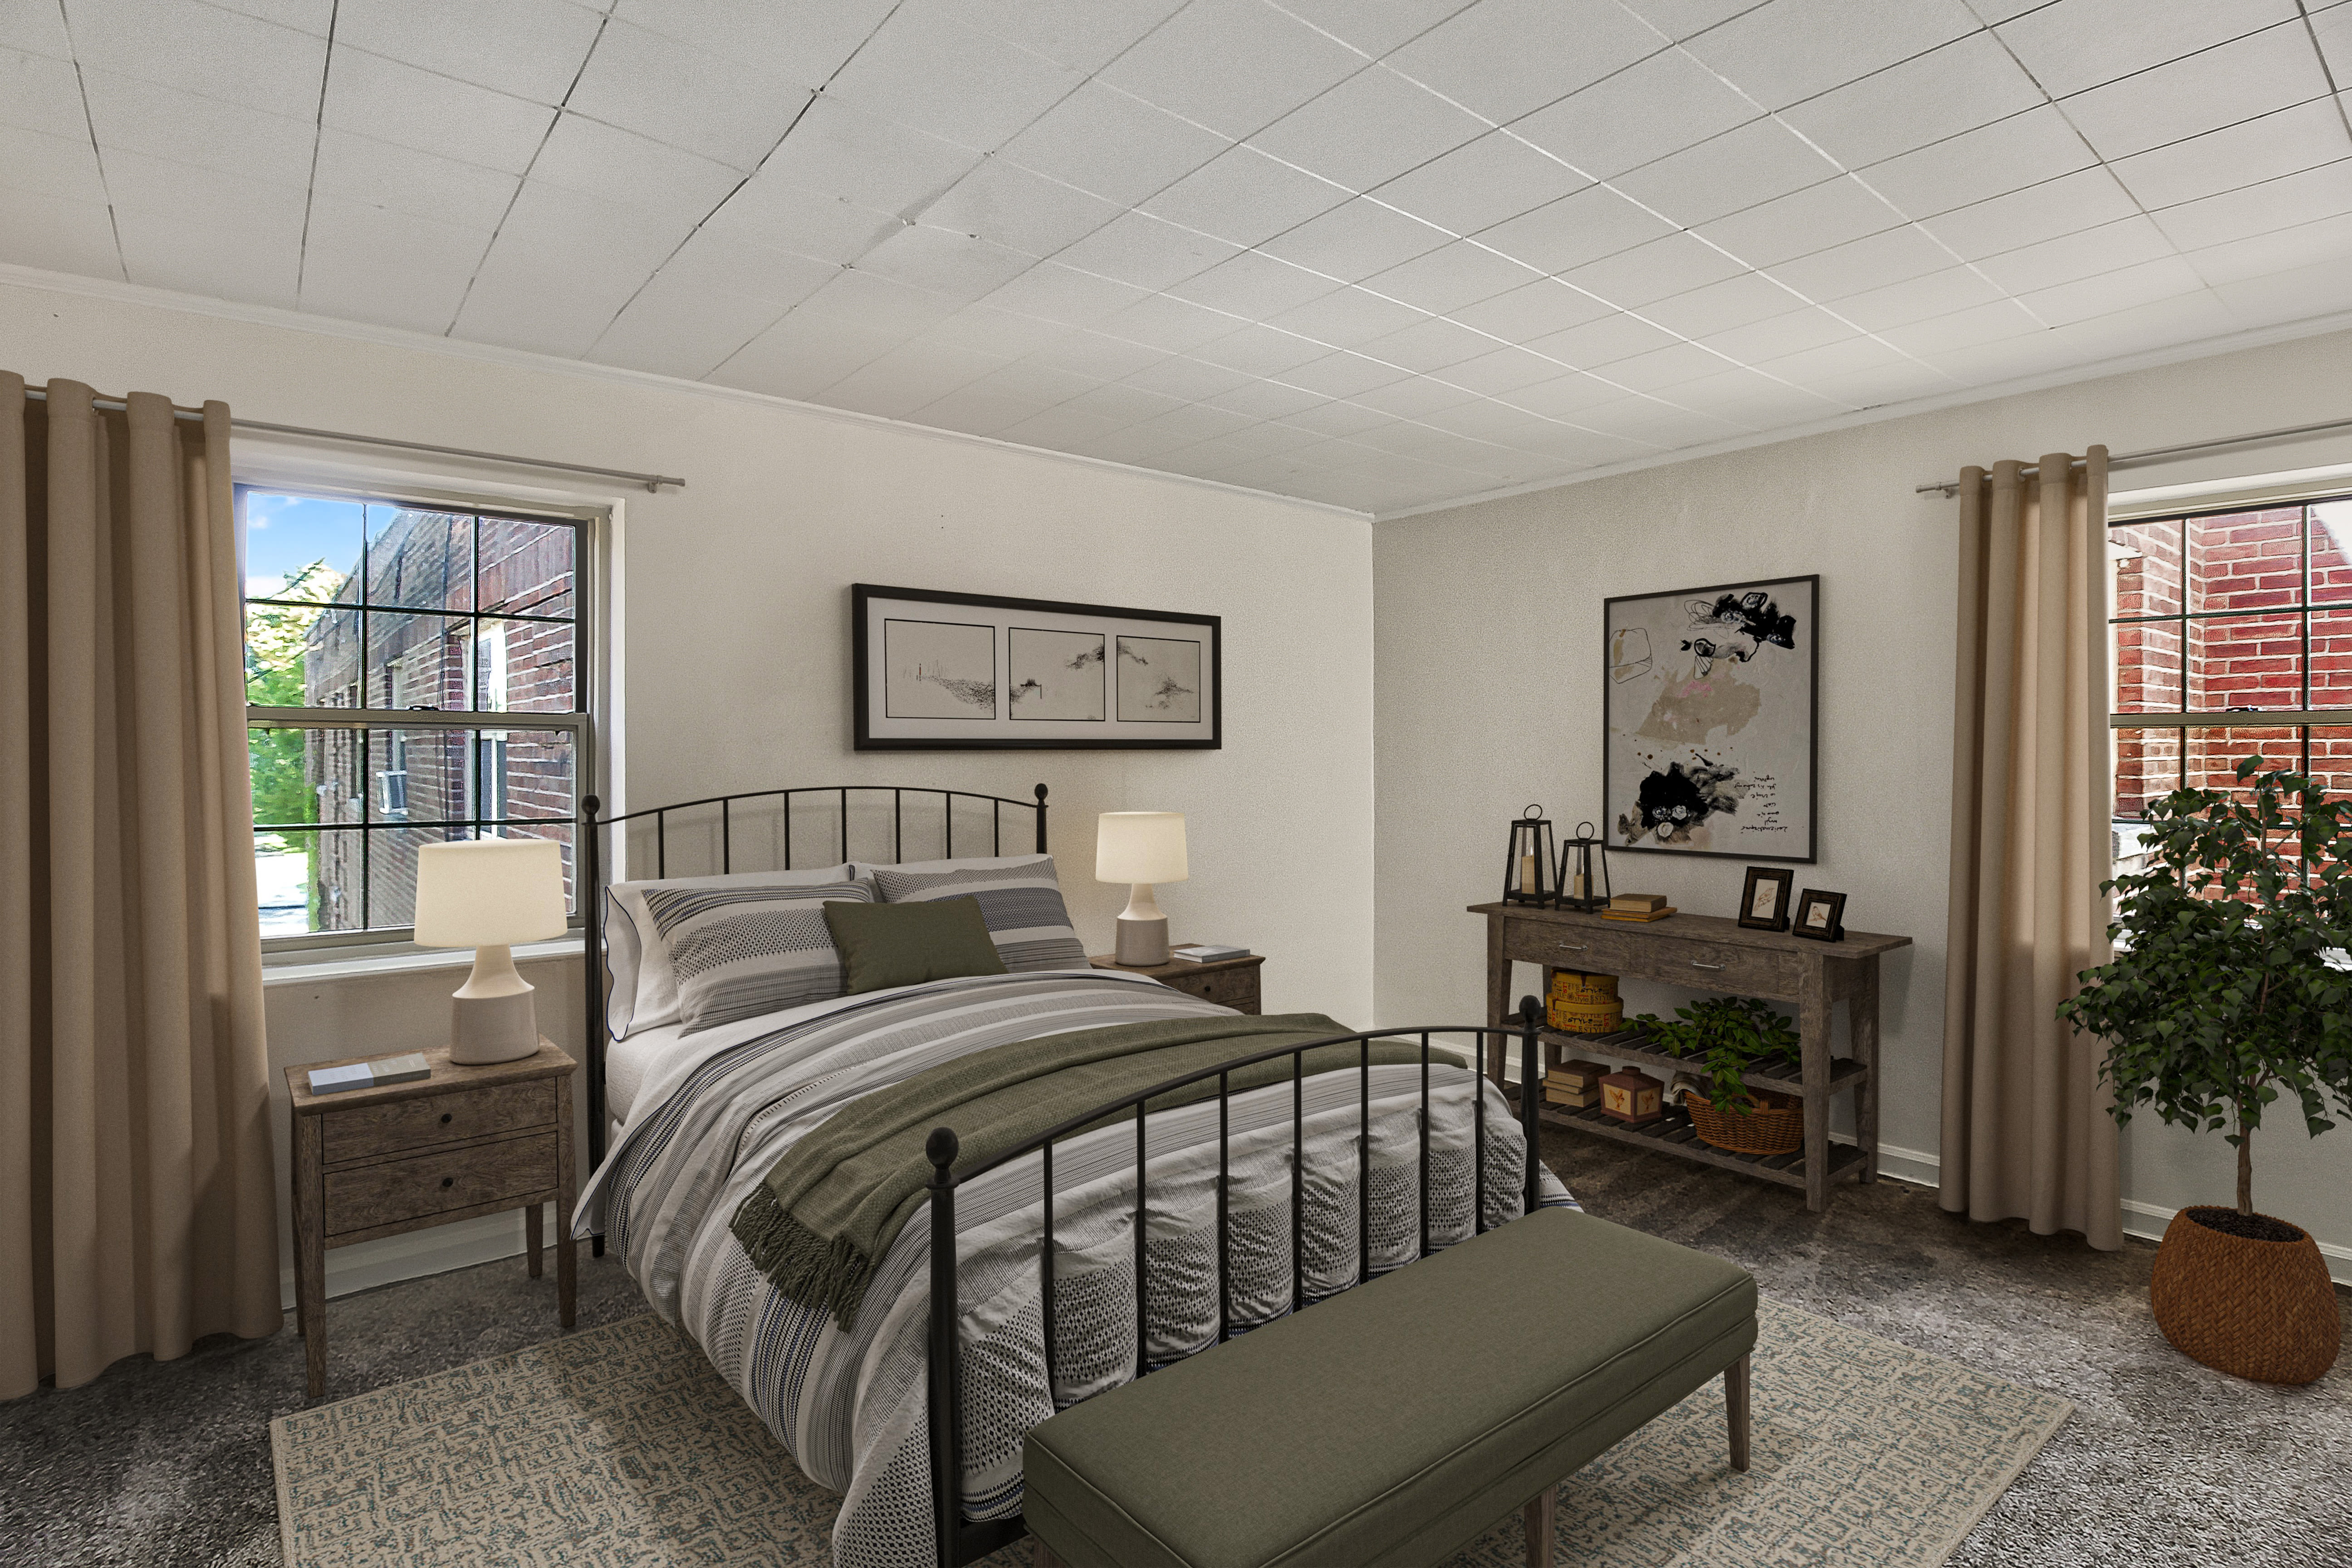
point(1775, 1124)
point(2264, 1310)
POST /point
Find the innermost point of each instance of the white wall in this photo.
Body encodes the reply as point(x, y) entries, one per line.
point(1488, 678)
point(735, 624)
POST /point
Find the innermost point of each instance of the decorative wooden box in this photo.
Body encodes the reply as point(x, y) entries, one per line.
point(1582, 1003)
point(1632, 1097)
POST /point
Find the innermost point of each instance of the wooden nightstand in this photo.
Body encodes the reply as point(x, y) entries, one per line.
point(468, 1140)
point(1230, 981)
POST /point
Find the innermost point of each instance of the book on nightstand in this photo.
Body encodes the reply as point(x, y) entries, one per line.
point(1207, 952)
point(370, 1075)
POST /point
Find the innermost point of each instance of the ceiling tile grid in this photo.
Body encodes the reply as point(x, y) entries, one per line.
point(1375, 253)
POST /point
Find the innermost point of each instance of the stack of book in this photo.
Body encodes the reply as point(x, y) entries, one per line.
point(1207, 952)
point(1574, 1084)
point(1638, 907)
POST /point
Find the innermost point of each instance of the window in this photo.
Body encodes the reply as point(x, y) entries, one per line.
point(415, 674)
point(2232, 635)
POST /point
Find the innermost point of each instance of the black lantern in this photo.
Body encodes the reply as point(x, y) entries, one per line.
point(1575, 885)
point(1527, 874)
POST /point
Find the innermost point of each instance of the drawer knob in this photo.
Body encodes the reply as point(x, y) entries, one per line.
point(449, 1181)
point(445, 1119)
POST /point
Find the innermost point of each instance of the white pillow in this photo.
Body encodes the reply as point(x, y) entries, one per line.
point(1020, 898)
point(645, 986)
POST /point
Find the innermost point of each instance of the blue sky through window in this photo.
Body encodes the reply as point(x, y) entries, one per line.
point(284, 533)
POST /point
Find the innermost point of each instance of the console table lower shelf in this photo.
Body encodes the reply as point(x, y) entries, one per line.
point(1674, 1134)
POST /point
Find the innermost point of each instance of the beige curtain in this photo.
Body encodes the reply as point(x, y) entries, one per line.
point(137, 1208)
point(2026, 1130)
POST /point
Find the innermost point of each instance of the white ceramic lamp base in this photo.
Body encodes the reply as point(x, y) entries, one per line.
point(491, 1017)
point(1142, 929)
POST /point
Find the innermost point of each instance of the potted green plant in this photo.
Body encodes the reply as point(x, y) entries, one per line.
point(1733, 1033)
point(2228, 995)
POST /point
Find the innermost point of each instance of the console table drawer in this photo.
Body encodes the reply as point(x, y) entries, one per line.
point(1576, 947)
point(1647, 952)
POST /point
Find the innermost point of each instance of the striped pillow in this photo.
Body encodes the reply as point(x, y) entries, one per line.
point(645, 991)
point(740, 951)
point(1019, 897)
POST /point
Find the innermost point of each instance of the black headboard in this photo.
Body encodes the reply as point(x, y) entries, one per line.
point(594, 860)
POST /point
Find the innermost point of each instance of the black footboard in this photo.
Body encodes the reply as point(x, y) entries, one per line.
point(960, 1542)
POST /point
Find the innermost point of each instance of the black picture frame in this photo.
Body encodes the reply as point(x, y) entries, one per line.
point(1831, 927)
point(1161, 720)
point(1782, 879)
point(1631, 751)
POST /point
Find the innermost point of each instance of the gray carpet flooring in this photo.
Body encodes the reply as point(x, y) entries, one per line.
point(2165, 1463)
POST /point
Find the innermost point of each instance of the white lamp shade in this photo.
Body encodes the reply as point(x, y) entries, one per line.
point(489, 892)
point(1139, 847)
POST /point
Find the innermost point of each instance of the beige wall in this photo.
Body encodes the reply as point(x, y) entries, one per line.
point(1487, 672)
point(733, 620)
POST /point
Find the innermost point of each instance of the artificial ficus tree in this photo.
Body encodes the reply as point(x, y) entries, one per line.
point(2228, 992)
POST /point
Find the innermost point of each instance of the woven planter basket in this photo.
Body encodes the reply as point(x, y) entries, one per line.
point(2265, 1310)
point(1775, 1124)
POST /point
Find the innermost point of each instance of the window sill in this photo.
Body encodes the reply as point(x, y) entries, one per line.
point(303, 968)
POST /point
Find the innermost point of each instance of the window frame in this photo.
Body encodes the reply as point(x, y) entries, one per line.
point(591, 527)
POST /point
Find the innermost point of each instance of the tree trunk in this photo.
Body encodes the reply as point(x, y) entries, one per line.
point(2245, 1169)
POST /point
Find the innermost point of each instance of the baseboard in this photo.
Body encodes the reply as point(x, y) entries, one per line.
point(421, 1253)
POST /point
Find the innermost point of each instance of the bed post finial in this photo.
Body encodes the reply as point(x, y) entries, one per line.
point(940, 1149)
point(1041, 819)
point(1531, 1097)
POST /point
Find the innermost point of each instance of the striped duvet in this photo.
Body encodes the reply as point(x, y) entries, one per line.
point(849, 1406)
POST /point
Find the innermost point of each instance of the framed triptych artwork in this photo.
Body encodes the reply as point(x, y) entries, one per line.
point(937, 671)
point(1709, 741)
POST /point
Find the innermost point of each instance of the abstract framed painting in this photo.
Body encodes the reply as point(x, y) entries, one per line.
point(1709, 742)
point(940, 671)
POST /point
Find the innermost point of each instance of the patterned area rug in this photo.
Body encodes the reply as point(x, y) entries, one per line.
point(621, 1446)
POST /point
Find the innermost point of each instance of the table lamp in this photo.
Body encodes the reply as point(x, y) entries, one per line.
point(1140, 849)
point(488, 894)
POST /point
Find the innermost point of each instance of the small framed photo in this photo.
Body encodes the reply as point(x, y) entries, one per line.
point(1764, 901)
point(1819, 915)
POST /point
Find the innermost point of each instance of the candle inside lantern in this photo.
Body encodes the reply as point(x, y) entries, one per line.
point(1526, 874)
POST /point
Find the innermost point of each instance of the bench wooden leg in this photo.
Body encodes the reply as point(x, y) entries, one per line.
point(1044, 1555)
point(1736, 1406)
point(1542, 1516)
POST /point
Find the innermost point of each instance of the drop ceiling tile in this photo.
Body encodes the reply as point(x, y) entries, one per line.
point(1059, 429)
point(770, 213)
point(539, 289)
point(2079, 44)
point(1260, 350)
point(38, 93)
point(2284, 142)
point(1413, 398)
point(1044, 385)
point(844, 150)
point(1473, 187)
point(1375, 27)
point(313, 17)
point(1662, 105)
point(2061, 260)
point(952, 266)
point(159, 187)
point(1347, 317)
point(2007, 155)
point(1504, 59)
point(1334, 419)
point(1144, 251)
point(1932, 337)
point(1668, 366)
point(2162, 322)
point(1786, 334)
point(2258, 209)
point(1270, 399)
point(412, 108)
point(1195, 421)
point(803, 42)
point(1505, 370)
point(1168, 325)
point(1450, 278)
point(1565, 397)
point(1055, 293)
point(2328, 239)
point(896, 383)
point(801, 355)
point(1140, 444)
point(1750, 397)
point(1245, 196)
point(1111, 144)
point(596, 160)
point(1602, 342)
point(1253, 285)
point(999, 88)
point(2225, 84)
point(876, 303)
point(727, 108)
point(1834, 364)
point(976, 410)
point(682, 329)
point(714, 260)
point(129, 115)
point(421, 184)
point(200, 49)
point(2003, 359)
point(1658, 424)
point(1532, 310)
point(1231, 65)
point(1369, 128)
point(2288, 296)
point(2109, 292)
point(37, 28)
point(365, 263)
point(1430, 346)
point(1917, 300)
point(1897, 382)
point(227, 260)
point(1785, 53)
point(58, 235)
point(2067, 204)
point(1738, 301)
point(1576, 229)
point(1354, 240)
point(1000, 334)
point(1815, 218)
point(530, 49)
point(1726, 174)
point(1083, 35)
point(1679, 19)
point(1098, 355)
point(1864, 264)
point(2333, 29)
point(1007, 204)
point(1343, 374)
point(55, 167)
point(1673, 265)
point(1194, 381)
point(1965, 84)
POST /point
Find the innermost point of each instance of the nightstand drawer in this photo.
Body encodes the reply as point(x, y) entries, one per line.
point(397, 1190)
point(389, 1128)
point(1236, 988)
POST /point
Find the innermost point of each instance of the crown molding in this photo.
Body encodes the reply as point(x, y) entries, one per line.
point(33, 278)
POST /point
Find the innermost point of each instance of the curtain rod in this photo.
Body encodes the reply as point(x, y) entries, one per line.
point(2132, 459)
point(651, 481)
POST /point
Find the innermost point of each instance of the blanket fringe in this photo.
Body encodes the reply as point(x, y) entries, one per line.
point(821, 1273)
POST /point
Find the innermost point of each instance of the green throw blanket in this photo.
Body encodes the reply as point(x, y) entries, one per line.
point(823, 1219)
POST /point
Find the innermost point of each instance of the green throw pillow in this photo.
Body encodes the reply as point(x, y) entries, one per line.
point(883, 945)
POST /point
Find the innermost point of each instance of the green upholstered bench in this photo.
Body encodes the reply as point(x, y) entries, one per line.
point(1393, 1424)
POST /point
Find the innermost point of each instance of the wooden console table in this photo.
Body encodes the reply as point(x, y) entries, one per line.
point(1706, 952)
